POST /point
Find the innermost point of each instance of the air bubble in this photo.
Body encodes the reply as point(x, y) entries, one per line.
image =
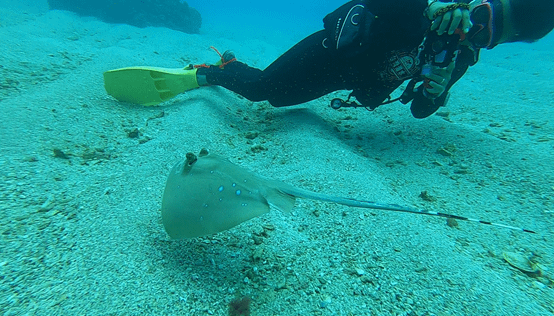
point(238, 192)
point(220, 189)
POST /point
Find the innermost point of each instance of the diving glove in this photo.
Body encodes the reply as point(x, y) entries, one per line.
point(437, 79)
point(448, 16)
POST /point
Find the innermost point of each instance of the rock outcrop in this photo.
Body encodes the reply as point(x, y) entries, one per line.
point(174, 14)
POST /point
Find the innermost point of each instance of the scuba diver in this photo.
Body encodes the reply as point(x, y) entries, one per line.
point(367, 46)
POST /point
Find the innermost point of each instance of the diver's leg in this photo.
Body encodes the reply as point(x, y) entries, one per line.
point(235, 76)
point(305, 72)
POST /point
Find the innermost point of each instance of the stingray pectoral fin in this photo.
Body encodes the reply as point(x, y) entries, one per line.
point(184, 216)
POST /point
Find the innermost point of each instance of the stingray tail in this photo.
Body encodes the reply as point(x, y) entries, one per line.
point(391, 207)
point(398, 208)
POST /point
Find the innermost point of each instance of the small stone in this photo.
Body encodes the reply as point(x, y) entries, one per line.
point(366, 279)
point(257, 254)
point(447, 150)
point(325, 302)
point(43, 224)
point(251, 135)
point(444, 152)
point(157, 116)
point(322, 280)
point(282, 284)
point(58, 153)
point(30, 159)
point(257, 148)
point(258, 240)
point(135, 133)
point(424, 195)
point(145, 139)
point(461, 171)
point(450, 222)
point(268, 227)
point(522, 263)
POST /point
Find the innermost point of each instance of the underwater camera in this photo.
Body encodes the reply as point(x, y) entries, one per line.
point(440, 50)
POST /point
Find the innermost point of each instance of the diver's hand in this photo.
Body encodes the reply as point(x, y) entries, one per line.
point(438, 79)
point(450, 20)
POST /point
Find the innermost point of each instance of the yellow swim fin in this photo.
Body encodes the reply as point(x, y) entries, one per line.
point(149, 85)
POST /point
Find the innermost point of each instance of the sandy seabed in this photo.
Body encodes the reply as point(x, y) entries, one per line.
point(82, 178)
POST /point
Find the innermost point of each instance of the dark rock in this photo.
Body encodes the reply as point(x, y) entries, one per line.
point(58, 153)
point(173, 14)
point(134, 133)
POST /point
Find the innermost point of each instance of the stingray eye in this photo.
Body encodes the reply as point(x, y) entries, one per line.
point(191, 158)
point(203, 152)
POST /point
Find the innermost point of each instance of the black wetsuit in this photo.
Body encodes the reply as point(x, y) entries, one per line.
point(310, 70)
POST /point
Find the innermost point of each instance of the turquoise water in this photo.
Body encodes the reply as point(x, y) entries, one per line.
point(304, 15)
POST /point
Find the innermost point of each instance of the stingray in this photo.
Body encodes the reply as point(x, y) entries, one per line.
point(207, 194)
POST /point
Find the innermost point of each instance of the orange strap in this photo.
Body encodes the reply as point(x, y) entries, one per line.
point(223, 62)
